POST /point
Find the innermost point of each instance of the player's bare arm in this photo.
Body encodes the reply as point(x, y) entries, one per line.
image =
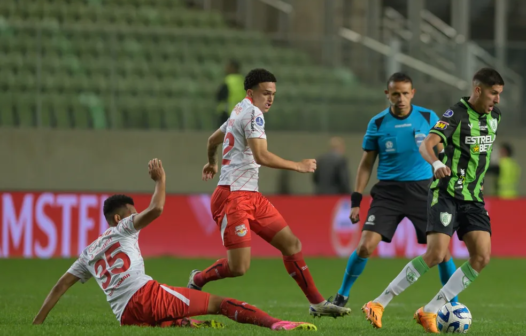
point(427, 152)
point(155, 209)
point(365, 168)
point(439, 147)
point(265, 158)
point(61, 287)
point(210, 168)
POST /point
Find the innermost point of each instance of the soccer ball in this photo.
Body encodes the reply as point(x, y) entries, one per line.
point(454, 317)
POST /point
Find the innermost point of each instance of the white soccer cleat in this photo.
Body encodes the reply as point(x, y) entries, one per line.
point(191, 284)
point(327, 308)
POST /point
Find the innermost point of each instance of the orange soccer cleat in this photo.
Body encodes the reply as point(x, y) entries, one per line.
point(373, 313)
point(426, 320)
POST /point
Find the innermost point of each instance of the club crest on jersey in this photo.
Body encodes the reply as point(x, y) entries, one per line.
point(445, 218)
point(493, 123)
point(241, 230)
point(259, 121)
point(441, 125)
point(448, 114)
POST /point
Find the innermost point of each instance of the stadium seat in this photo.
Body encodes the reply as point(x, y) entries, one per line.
point(158, 65)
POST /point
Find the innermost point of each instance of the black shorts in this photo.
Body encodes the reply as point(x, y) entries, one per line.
point(392, 201)
point(447, 214)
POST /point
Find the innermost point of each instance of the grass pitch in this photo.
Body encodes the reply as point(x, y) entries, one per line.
point(497, 299)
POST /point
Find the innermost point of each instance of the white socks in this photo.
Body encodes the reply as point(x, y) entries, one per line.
point(411, 272)
point(461, 279)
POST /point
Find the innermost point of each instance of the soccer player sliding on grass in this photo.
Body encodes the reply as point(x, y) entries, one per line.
point(116, 263)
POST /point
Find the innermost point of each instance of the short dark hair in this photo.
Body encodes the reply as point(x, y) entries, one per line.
point(488, 77)
point(399, 77)
point(257, 76)
point(508, 148)
point(115, 203)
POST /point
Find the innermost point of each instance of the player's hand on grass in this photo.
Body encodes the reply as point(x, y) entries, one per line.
point(156, 170)
point(307, 166)
point(355, 215)
point(209, 171)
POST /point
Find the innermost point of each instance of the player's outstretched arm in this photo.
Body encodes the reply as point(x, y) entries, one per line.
point(210, 168)
point(365, 169)
point(427, 152)
point(63, 284)
point(155, 209)
point(265, 158)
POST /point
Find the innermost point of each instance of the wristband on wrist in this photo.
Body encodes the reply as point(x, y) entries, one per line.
point(438, 164)
point(356, 199)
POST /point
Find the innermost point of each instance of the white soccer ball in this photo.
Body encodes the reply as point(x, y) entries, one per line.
point(454, 317)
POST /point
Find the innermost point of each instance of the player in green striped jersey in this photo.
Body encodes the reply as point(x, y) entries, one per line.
point(455, 202)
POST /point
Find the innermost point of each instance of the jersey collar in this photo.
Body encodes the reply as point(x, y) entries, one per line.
point(250, 99)
point(464, 100)
point(401, 118)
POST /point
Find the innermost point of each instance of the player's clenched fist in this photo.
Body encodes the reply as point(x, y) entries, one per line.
point(209, 171)
point(355, 215)
point(156, 170)
point(307, 166)
point(441, 170)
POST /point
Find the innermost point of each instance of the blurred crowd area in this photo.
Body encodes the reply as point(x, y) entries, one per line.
point(178, 65)
point(159, 64)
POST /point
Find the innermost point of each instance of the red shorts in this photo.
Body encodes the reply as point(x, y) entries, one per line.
point(237, 213)
point(154, 304)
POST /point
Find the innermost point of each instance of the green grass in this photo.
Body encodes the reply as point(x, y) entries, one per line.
point(497, 299)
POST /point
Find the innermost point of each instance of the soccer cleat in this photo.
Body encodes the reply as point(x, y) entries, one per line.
point(328, 309)
point(339, 300)
point(191, 283)
point(373, 313)
point(287, 325)
point(426, 320)
point(196, 324)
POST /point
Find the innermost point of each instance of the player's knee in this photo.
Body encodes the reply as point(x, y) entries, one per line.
point(214, 304)
point(365, 249)
point(296, 245)
point(433, 258)
point(292, 246)
point(479, 261)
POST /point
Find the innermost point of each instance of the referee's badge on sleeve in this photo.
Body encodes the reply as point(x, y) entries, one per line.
point(419, 138)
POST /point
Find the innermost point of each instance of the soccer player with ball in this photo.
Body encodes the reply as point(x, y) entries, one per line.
point(455, 202)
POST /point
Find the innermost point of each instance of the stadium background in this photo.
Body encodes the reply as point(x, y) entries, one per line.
point(91, 90)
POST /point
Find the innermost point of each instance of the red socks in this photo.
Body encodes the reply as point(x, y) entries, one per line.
point(218, 270)
point(295, 265)
point(298, 269)
point(242, 312)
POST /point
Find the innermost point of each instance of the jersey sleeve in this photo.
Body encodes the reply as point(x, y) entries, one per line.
point(223, 127)
point(446, 126)
point(434, 119)
point(126, 228)
point(255, 126)
point(80, 270)
point(370, 140)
